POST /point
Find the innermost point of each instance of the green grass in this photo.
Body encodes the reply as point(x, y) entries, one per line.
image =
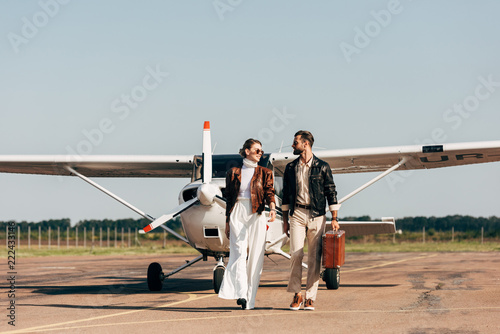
point(388, 246)
point(462, 246)
point(171, 248)
point(176, 247)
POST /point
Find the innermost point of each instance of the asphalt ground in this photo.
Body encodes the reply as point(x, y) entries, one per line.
point(379, 293)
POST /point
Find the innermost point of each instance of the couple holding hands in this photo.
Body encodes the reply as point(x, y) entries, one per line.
point(307, 182)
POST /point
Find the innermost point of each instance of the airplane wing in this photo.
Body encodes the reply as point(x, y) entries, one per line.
point(341, 161)
point(356, 228)
point(100, 166)
point(417, 157)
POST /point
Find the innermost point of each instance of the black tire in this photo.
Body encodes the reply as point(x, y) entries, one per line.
point(332, 278)
point(154, 277)
point(218, 276)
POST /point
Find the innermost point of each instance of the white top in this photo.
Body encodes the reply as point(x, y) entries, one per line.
point(304, 172)
point(246, 177)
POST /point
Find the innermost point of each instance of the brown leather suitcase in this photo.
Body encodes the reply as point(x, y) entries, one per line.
point(333, 249)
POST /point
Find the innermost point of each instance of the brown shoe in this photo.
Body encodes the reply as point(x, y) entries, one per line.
point(296, 303)
point(309, 305)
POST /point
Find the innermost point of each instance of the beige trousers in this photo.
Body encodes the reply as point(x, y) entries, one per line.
point(302, 225)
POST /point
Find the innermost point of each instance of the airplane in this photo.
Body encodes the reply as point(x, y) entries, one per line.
point(202, 204)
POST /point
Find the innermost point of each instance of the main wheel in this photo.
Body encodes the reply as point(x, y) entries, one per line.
point(332, 278)
point(155, 277)
point(218, 276)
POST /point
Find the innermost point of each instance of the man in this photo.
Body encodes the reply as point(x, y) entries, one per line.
point(307, 182)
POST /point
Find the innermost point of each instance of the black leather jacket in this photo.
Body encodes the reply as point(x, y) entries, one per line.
point(321, 186)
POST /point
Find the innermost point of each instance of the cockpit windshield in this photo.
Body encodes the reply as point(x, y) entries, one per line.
point(222, 163)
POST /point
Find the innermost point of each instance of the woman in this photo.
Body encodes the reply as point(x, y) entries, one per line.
point(248, 189)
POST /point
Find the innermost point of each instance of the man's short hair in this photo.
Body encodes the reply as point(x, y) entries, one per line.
point(306, 135)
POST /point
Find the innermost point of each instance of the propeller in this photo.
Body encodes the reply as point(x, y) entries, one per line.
point(207, 193)
point(172, 214)
point(207, 154)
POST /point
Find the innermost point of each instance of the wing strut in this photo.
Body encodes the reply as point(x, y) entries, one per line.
point(184, 266)
point(122, 201)
point(369, 183)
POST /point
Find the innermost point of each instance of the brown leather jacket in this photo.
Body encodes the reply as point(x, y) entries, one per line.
point(261, 189)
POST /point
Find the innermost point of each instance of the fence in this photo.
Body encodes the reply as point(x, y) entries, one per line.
point(80, 237)
point(127, 238)
point(426, 236)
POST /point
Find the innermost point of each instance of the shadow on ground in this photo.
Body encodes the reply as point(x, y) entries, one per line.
point(124, 286)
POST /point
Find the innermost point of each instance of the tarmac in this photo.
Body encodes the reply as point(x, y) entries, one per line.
point(379, 293)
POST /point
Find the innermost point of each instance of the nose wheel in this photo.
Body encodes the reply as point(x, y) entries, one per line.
point(219, 274)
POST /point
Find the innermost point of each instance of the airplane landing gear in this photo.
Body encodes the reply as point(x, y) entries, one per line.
point(155, 277)
point(331, 276)
point(219, 274)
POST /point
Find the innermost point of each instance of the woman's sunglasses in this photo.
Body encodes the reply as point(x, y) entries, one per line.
point(258, 151)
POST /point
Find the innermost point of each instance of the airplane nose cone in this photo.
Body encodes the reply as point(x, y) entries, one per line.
point(206, 194)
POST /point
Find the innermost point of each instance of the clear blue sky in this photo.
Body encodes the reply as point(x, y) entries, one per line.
point(356, 74)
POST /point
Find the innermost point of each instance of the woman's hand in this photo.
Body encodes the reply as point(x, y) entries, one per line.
point(272, 215)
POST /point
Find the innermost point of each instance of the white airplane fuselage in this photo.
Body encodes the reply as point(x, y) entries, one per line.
point(204, 225)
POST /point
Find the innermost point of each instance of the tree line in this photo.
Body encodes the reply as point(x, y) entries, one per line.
point(459, 223)
point(64, 223)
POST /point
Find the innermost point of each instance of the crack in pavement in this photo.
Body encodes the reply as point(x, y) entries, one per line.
point(426, 299)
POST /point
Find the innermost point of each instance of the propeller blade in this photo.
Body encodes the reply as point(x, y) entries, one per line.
point(220, 200)
point(207, 154)
point(166, 217)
